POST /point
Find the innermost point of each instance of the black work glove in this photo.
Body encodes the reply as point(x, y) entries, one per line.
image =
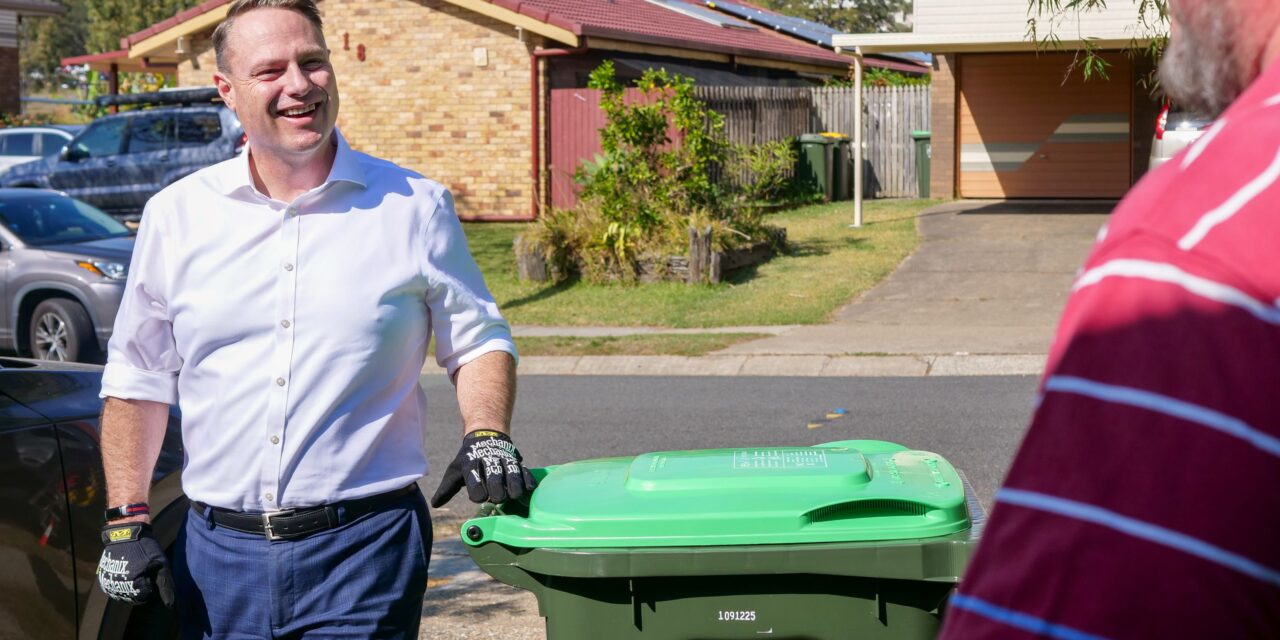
point(491, 467)
point(133, 568)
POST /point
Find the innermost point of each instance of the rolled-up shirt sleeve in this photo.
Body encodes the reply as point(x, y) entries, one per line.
point(464, 317)
point(142, 358)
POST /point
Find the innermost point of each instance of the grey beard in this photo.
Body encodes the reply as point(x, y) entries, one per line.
point(1198, 70)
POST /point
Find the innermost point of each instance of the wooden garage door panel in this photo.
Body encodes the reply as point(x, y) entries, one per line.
point(1024, 133)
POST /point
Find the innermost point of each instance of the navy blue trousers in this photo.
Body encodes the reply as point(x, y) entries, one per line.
point(364, 579)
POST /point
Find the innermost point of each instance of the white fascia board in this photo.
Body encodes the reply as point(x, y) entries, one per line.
point(899, 42)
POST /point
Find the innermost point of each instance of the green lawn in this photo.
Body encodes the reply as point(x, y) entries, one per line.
point(826, 265)
point(685, 344)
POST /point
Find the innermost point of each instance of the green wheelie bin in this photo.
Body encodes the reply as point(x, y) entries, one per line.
point(814, 169)
point(854, 539)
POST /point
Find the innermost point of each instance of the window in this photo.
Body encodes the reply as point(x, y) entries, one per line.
point(198, 129)
point(42, 219)
point(51, 143)
point(102, 138)
point(19, 144)
point(150, 133)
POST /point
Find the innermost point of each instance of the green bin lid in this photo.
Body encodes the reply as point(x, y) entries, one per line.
point(848, 491)
point(921, 135)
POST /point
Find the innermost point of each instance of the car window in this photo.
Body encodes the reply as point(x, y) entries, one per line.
point(150, 133)
point(51, 143)
point(1187, 120)
point(198, 129)
point(19, 144)
point(102, 138)
point(55, 219)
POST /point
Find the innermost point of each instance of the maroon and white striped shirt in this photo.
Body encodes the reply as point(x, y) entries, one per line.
point(1145, 499)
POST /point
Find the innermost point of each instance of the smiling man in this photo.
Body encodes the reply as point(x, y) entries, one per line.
point(284, 299)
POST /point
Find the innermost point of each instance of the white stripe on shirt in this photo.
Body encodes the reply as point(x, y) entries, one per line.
point(1168, 406)
point(1196, 285)
point(1232, 206)
point(1139, 529)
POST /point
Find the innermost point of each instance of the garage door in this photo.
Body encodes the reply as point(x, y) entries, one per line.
point(1024, 133)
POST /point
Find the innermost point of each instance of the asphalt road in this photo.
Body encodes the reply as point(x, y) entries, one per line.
point(975, 422)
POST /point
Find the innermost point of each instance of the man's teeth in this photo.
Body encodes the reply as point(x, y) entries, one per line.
point(300, 110)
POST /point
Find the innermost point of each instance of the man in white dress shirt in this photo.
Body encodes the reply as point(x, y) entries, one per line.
point(285, 300)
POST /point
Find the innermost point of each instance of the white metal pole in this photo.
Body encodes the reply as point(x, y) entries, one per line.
point(857, 137)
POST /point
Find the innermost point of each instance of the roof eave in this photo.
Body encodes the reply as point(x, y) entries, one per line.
point(29, 8)
point(164, 41)
point(600, 38)
point(904, 42)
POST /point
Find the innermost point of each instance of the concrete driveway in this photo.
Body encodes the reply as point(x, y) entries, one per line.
point(989, 277)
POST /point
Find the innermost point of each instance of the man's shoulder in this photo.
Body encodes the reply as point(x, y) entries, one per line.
point(197, 184)
point(385, 174)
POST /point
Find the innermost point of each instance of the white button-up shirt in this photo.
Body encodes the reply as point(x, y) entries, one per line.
point(292, 334)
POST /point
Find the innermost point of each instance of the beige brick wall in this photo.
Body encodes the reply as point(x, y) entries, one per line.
point(942, 170)
point(420, 99)
point(197, 70)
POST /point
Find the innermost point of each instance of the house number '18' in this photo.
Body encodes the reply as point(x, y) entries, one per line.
point(737, 616)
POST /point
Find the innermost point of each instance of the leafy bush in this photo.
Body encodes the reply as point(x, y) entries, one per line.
point(24, 120)
point(762, 172)
point(642, 193)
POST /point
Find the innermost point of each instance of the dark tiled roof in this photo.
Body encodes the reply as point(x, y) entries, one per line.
point(643, 21)
point(629, 20)
point(176, 20)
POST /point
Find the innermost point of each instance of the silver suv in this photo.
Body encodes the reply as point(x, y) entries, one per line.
point(1175, 130)
point(63, 265)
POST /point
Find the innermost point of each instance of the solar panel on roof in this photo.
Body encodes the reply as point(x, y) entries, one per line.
point(702, 13)
point(815, 32)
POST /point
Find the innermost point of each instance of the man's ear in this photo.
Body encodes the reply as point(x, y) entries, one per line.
point(225, 89)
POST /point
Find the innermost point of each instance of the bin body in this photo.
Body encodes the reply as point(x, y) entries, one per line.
point(854, 539)
point(813, 164)
point(841, 166)
point(924, 160)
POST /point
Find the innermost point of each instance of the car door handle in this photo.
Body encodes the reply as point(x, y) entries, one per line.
point(109, 162)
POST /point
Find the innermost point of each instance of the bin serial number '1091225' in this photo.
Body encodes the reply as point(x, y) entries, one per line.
point(737, 616)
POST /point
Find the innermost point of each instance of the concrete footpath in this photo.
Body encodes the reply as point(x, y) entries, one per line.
point(980, 296)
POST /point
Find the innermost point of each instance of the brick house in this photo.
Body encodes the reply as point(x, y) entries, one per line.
point(445, 87)
point(1008, 122)
point(11, 12)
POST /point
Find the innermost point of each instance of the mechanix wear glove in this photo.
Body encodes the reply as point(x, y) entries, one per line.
point(492, 469)
point(133, 568)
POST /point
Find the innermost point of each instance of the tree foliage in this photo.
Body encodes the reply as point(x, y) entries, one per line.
point(1050, 19)
point(846, 16)
point(87, 26)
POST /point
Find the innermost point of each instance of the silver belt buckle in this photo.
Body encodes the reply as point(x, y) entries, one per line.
point(266, 523)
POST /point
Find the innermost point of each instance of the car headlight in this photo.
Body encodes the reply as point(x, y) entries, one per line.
point(109, 270)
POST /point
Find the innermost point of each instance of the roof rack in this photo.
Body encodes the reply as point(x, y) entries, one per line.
point(198, 95)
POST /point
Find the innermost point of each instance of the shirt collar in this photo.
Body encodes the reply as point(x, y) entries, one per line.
point(346, 168)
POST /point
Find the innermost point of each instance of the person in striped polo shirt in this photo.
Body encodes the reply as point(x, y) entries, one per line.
point(1143, 500)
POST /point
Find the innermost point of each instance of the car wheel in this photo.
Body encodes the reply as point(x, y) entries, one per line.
point(60, 329)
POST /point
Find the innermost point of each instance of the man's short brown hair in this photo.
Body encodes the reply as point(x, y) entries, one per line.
point(306, 7)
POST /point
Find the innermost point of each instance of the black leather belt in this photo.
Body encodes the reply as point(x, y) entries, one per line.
point(295, 523)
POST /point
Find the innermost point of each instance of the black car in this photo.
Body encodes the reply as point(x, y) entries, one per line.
point(52, 496)
point(119, 161)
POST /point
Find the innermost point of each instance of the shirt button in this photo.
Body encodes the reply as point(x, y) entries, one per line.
point(280, 382)
point(270, 498)
point(291, 211)
point(284, 323)
point(288, 266)
point(275, 440)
